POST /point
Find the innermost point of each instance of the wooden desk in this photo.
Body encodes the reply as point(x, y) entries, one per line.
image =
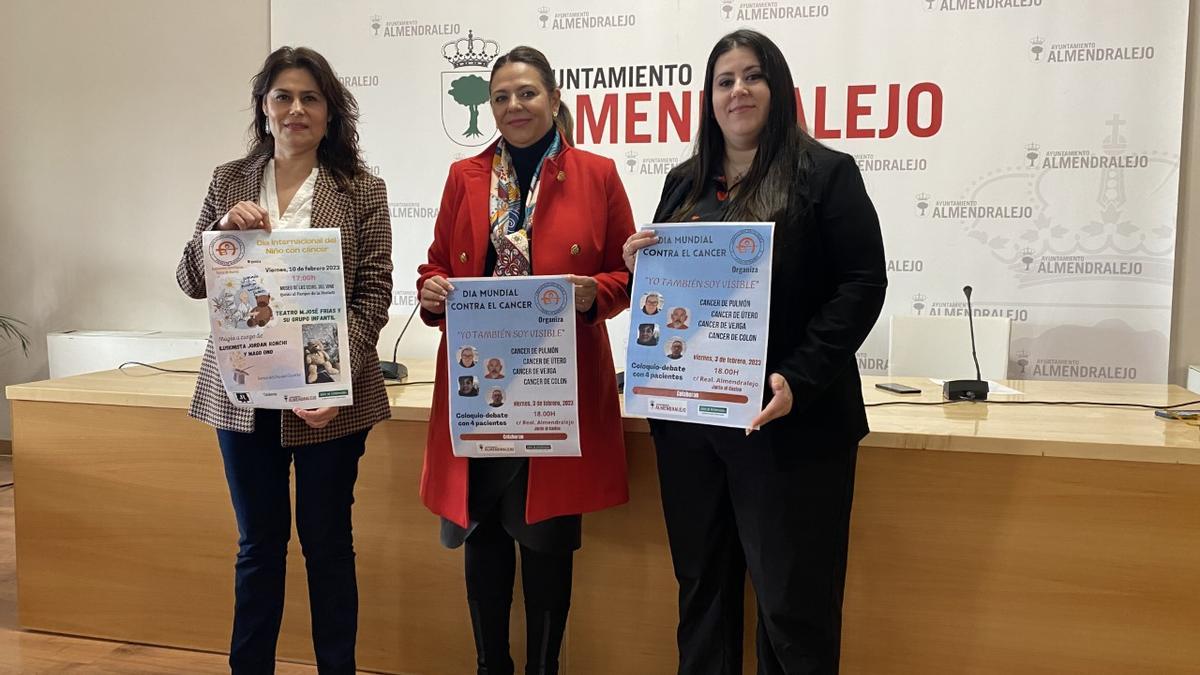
point(985, 539)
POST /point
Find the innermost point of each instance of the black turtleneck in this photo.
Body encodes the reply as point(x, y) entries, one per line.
point(525, 162)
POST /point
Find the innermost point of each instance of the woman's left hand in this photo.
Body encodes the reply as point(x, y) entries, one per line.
point(636, 242)
point(779, 405)
point(585, 292)
point(317, 418)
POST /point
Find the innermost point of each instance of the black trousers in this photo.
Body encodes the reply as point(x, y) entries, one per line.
point(257, 469)
point(490, 562)
point(770, 503)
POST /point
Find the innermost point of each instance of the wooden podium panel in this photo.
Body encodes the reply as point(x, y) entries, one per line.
point(985, 539)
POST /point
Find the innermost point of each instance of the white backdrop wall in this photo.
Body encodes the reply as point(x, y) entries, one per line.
point(1029, 148)
point(168, 118)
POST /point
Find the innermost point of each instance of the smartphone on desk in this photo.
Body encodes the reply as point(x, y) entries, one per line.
point(1178, 414)
point(897, 388)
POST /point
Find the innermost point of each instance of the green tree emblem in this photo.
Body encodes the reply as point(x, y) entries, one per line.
point(470, 92)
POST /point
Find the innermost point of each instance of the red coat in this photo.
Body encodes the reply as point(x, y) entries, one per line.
point(582, 220)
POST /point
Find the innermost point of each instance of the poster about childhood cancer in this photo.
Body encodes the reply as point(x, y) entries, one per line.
point(698, 327)
point(277, 307)
point(510, 347)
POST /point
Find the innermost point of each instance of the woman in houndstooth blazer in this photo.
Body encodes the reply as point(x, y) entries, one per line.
point(303, 170)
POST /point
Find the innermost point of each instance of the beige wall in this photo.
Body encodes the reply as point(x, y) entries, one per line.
point(114, 112)
point(1185, 319)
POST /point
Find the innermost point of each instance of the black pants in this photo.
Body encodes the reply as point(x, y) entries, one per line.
point(257, 468)
point(490, 561)
point(770, 503)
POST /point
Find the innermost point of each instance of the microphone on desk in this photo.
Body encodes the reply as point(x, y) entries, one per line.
point(394, 370)
point(967, 390)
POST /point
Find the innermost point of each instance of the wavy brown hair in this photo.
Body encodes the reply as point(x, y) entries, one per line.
point(338, 151)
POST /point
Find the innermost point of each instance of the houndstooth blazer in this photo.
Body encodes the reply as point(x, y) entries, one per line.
point(362, 215)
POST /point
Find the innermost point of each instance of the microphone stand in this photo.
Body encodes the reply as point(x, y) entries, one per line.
point(967, 390)
point(395, 370)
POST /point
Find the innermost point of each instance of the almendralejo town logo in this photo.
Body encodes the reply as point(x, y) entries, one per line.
point(465, 90)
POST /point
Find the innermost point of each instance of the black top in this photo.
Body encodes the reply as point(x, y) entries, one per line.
point(525, 162)
point(711, 206)
point(828, 280)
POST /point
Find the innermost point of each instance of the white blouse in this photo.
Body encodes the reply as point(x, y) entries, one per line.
point(299, 211)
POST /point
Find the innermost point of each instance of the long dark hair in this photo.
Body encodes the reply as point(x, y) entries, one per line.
point(338, 151)
point(780, 165)
point(533, 57)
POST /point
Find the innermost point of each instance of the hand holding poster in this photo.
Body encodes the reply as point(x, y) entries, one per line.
point(277, 307)
point(698, 331)
point(510, 343)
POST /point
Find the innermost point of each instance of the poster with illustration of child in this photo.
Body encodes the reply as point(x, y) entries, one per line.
point(278, 317)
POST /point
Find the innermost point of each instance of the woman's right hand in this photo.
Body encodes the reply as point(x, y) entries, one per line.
point(636, 242)
point(245, 216)
point(433, 294)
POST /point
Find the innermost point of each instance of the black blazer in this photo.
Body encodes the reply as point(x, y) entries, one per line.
point(827, 287)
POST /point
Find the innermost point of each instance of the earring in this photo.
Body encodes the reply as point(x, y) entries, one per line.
point(556, 113)
point(267, 126)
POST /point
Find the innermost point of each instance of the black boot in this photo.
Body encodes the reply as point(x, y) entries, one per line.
point(543, 640)
point(489, 623)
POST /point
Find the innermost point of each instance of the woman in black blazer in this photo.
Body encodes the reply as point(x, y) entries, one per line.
point(774, 501)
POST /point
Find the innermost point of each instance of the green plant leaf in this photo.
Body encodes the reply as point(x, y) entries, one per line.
point(9, 331)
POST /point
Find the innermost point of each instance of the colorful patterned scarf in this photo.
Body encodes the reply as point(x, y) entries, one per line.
point(510, 235)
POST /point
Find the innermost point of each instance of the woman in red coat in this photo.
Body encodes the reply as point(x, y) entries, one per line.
point(487, 227)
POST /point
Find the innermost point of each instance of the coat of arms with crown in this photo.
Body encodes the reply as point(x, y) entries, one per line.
point(465, 90)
